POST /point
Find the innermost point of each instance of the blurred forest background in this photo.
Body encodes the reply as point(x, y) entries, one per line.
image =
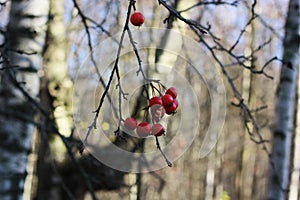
point(50, 69)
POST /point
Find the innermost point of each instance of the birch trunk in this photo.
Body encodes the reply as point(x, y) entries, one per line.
point(26, 33)
point(294, 188)
point(285, 107)
point(56, 97)
point(249, 154)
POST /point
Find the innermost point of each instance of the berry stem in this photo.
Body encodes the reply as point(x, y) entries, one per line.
point(162, 153)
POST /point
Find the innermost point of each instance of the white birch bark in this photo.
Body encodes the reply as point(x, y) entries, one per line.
point(285, 107)
point(25, 32)
point(295, 174)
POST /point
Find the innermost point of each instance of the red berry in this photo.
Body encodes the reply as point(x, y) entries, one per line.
point(167, 100)
point(157, 112)
point(143, 129)
point(130, 123)
point(171, 109)
point(154, 101)
point(157, 130)
point(137, 19)
point(176, 103)
point(172, 91)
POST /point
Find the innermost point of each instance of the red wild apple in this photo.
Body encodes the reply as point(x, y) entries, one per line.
point(176, 103)
point(157, 130)
point(130, 123)
point(157, 112)
point(172, 91)
point(155, 101)
point(143, 129)
point(137, 19)
point(167, 100)
point(170, 109)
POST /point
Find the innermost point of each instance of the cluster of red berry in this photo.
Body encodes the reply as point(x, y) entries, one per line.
point(168, 101)
point(159, 105)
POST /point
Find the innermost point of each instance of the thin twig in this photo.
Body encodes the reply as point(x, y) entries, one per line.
point(204, 3)
point(84, 20)
point(176, 14)
point(114, 70)
point(162, 153)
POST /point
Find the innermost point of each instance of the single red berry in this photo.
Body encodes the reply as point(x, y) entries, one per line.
point(167, 100)
point(137, 19)
point(143, 129)
point(154, 101)
point(172, 91)
point(170, 109)
point(157, 130)
point(130, 123)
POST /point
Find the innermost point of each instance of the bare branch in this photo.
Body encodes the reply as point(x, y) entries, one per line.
point(203, 3)
point(176, 14)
